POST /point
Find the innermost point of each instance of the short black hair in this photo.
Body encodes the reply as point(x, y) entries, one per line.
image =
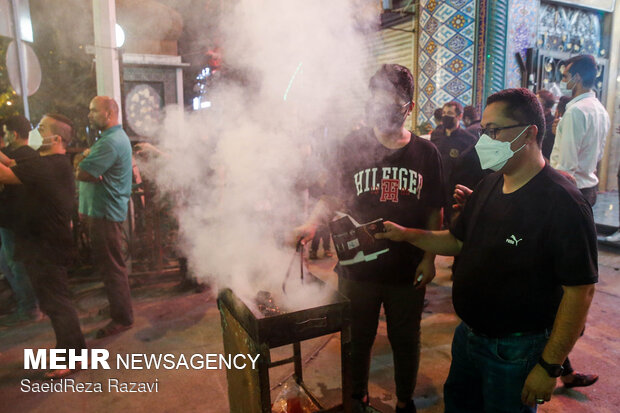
point(458, 108)
point(523, 106)
point(547, 98)
point(471, 112)
point(394, 78)
point(583, 65)
point(19, 124)
point(437, 114)
point(561, 108)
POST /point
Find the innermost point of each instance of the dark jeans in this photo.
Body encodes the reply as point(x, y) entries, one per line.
point(15, 273)
point(322, 233)
point(590, 194)
point(487, 374)
point(403, 310)
point(108, 261)
point(50, 284)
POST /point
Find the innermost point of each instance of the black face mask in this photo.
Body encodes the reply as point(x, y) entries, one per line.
point(449, 122)
point(386, 118)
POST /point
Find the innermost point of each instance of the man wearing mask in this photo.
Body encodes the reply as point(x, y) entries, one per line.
point(16, 130)
point(582, 131)
point(379, 171)
point(44, 241)
point(452, 141)
point(105, 186)
point(521, 290)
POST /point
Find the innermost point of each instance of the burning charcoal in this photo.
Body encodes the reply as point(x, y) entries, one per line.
point(265, 304)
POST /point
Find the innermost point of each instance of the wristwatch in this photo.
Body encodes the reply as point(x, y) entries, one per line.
point(553, 370)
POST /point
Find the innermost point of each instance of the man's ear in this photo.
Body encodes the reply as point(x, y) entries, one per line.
point(532, 133)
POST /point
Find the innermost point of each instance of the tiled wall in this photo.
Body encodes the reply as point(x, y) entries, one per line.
point(522, 25)
point(446, 53)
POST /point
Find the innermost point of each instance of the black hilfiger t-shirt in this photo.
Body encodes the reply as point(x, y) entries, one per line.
point(518, 251)
point(400, 185)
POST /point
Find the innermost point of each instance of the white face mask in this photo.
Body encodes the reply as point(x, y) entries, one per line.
point(494, 154)
point(35, 140)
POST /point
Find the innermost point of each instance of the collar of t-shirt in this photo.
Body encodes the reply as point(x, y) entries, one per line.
point(109, 131)
point(589, 94)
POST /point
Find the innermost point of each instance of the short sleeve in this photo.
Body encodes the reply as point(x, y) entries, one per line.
point(572, 240)
point(100, 159)
point(30, 172)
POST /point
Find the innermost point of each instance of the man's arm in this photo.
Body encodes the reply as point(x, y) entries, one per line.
point(571, 131)
point(425, 271)
point(436, 242)
point(323, 211)
point(82, 175)
point(7, 176)
point(568, 325)
point(6, 161)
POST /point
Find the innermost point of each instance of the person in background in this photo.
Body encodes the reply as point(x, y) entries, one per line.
point(582, 131)
point(43, 237)
point(16, 130)
point(451, 141)
point(105, 174)
point(471, 119)
point(521, 291)
point(385, 171)
point(547, 100)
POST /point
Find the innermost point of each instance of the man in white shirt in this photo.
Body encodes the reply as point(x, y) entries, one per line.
point(582, 131)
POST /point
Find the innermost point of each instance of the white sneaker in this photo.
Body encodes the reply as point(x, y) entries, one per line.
point(615, 237)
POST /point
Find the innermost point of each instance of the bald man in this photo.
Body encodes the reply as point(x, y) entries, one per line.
point(104, 176)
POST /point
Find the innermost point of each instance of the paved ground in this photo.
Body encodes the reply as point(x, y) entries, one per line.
point(170, 321)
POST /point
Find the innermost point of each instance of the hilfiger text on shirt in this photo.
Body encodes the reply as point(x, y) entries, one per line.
point(389, 182)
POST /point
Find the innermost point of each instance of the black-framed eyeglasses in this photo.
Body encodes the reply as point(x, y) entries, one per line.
point(491, 132)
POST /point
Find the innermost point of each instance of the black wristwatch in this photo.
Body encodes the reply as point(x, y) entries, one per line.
point(553, 370)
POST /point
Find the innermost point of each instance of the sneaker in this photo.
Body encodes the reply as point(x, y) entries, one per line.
point(409, 408)
point(615, 237)
point(112, 328)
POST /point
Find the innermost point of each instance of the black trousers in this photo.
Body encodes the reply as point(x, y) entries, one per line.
point(403, 312)
point(590, 194)
point(50, 284)
point(109, 262)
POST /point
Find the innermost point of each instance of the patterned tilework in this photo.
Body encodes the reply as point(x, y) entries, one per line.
point(522, 25)
point(446, 52)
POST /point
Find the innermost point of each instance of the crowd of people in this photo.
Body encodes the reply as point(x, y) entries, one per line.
point(39, 203)
point(509, 193)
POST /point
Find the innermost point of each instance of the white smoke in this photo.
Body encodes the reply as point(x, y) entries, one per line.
point(235, 168)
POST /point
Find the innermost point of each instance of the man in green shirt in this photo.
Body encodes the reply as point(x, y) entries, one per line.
point(104, 177)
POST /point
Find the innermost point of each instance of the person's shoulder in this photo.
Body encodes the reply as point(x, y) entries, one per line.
point(559, 190)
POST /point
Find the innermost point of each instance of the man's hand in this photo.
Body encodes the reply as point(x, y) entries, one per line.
point(80, 157)
point(461, 195)
point(393, 232)
point(425, 272)
point(304, 232)
point(538, 385)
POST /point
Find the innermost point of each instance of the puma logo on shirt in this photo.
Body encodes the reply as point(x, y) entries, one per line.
point(389, 182)
point(513, 240)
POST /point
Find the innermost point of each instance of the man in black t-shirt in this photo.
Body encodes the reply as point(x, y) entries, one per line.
point(44, 241)
point(385, 171)
point(527, 266)
point(451, 141)
point(16, 131)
